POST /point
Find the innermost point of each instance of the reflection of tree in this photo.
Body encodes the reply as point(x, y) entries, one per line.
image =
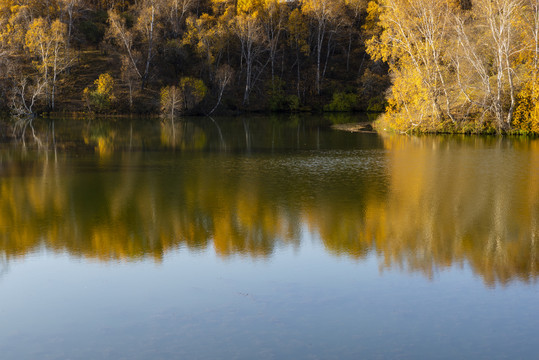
point(108, 136)
point(422, 203)
point(182, 135)
point(103, 136)
point(467, 199)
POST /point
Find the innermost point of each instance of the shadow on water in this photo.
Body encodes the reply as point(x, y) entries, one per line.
point(136, 190)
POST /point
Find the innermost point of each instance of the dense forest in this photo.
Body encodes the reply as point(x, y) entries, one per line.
point(431, 66)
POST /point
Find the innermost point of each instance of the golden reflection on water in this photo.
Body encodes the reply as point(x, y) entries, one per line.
point(423, 204)
point(461, 199)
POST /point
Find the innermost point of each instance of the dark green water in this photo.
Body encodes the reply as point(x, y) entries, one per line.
point(266, 238)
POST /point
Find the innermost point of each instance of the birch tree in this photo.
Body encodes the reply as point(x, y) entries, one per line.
point(487, 60)
point(49, 44)
point(176, 12)
point(137, 42)
point(250, 34)
point(414, 41)
point(501, 16)
point(171, 102)
point(324, 13)
point(273, 21)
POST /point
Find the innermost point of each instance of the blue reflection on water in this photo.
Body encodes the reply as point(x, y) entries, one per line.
point(301, 303)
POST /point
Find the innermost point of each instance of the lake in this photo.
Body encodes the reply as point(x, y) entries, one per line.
point(266, 238)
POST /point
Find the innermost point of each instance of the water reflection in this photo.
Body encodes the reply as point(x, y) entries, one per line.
point(461, 199)
point(418, 203)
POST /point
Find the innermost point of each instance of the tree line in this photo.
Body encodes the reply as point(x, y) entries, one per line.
point(288, 55)
point(440, 65)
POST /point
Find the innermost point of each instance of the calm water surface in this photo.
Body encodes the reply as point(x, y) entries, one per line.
point(266, 238)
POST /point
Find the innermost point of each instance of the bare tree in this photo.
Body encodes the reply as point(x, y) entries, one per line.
point(324, 13)
point(223, 77)
point(176, 12)
point(249, 31)
point(25, 95)
point(273, 18)
point(488, 48)
point(129, 78)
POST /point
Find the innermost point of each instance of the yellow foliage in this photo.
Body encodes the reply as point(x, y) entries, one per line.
point(248, 6)
point(526, 117)
point(207, 35)
point(193, 91)
point(47, 42)
point(413, 37)
point(407, 105)
point(58, 31)
point(299, 31)
point(372, 26)
point(165, 95)
point(221, 7)
point(36, 36)
point(104, 84)
point(13, 24)
point(103, 95)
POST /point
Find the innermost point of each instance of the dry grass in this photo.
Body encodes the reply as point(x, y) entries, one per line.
point(89, 64)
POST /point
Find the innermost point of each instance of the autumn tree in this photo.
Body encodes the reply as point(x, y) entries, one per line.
point(353, 10)
point(175, 12)
point(273, 15)
point(526, 118)
point(171, 101)
point(138, 41)
point(251, 36)
point(193, 91)
point(101, 96)
point(452, 62)
point(179, 98)
point(487, 61)
point(327, 16)
point(414, 41)
point(147, 27)
point(49, 44)
point(208, 35)
point(14, 22)
point(70, 9)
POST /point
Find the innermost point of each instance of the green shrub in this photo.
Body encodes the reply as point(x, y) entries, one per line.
point(342, 102)
point(293, 103)
point(377, 104)
point(277, 100)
